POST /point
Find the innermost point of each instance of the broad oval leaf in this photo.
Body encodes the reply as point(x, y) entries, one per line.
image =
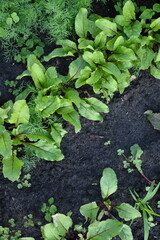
point(126, 233)
point(97, 105)
point(5, 142)
point(108, 183)
point(104, 230)
point(81, 23)
point(20, 113)
point(62, 223)
point(129, 10)
point(76, 66)
point(127, 212)
point(50, 232)
point(12, 167)
point(108, 27)
point(90, 211)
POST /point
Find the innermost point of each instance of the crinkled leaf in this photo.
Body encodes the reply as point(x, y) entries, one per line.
point(81, 23)
point(108, 27)
point(126, 233)
point(12, 167)
point(58, 52)
point(57, 133)
point(45, 150)
point(104, 230)
point(20, 113)
point(108, 183)
point(90, 211)
point(73, 118)
point(127, 212)
point(5, 142)
point(129, 10)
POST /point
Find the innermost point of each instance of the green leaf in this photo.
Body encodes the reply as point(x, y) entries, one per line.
point(109, 28)
point(129, 10)
point(123, 54)
point(68, 45)
point(100, 40)
point(57, 133)
point(155, 71)
point(97, 105)
point(84, 74)
point(88, 57)
point(3, 33)
point(122, 20)
point(47, 105)
point(126, 233)
point(108, 183)
point(26, 73)
point(81, 23)
point(90, 211)
point(146, 56)
point(147, 14)
point(9, 21)
point(12, 167)
point(146, 225)
point(73, 96)
point(119, 41)
point(155, 25)
point(158, 56)
point(75, 67)
point(133, 29)
point(86, 110)
point(73, 118)
point(104, 230)
point(111, 68)
point(50, 232)
point(156, 7)
point(20, 113)
point(95, 76)
point(51, 78)
point(37, 75)
point(110, 84)
point(5, 142)
point(127, 212)
point(58, 52)
point(4, 114)
point(45, 150)
point(85, 44)
point(62, 223)
point(154, 119)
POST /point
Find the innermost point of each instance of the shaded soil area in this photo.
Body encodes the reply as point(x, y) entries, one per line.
point(75, 180)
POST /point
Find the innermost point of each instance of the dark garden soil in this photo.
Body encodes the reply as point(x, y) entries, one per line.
point(75, 180)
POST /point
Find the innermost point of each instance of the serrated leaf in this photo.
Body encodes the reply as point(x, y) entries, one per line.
point(73, 118)
point(12, 167)
point(129, 10)
point(5, 142)
point(104, 230)
point(62, 223)
point(45, 150)
point(20, 113)
point(86, 110)
point(81, 23)
point(97, 105)
point(109, 28)
point(90, 211)
point(127, 212)
point(126, 233)
point(58, 52)
point(108, 183)
point(76, 66)
point(57, 133)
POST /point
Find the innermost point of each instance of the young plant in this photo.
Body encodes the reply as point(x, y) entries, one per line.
point(28, 221)
point(49, 209)
point(23, 182)
point(143, 206)
point(100, 220)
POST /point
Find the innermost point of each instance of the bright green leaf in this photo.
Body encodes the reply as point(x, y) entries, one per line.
point(81, 23)
point(126, 233)
point(129, 10)
point(127, 212)
point(90, 211)
point(109, 28)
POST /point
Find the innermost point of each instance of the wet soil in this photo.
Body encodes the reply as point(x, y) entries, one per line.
point(75, 180)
